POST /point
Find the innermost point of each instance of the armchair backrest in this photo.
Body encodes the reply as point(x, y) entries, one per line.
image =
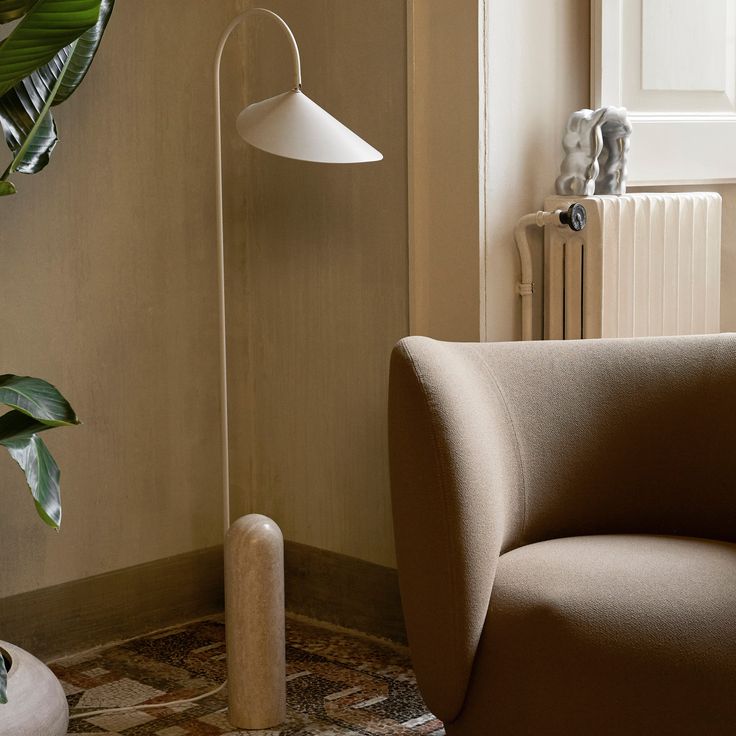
point(623, 436)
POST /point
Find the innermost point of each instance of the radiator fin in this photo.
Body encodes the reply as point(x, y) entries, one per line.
point(646, 264)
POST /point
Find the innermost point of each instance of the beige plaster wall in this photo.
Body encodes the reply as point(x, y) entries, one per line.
point(538, 72)
point(319, 285)
point(728, 258)
point(108, 290)
point(538, 69)
point(446, 197)
point(108, 275)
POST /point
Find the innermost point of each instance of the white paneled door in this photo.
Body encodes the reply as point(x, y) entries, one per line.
point(672, 64)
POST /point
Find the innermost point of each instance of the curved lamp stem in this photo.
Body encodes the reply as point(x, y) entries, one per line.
point(221, 234)
point(235, 22)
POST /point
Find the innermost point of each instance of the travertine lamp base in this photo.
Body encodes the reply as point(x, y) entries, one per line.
point(254, 623)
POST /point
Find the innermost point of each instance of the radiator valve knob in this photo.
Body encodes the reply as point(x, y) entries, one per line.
point(575, 217)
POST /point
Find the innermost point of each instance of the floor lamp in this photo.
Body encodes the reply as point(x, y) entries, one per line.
point(293, 126)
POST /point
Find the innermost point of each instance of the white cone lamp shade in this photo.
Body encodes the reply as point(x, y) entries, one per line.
point(294, 126)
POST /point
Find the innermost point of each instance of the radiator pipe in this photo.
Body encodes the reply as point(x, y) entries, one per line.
point(574, 218)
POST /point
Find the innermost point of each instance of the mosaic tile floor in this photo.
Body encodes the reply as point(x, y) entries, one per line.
point(338, 684)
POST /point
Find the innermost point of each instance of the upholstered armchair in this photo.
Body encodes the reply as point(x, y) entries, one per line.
point(565, 521)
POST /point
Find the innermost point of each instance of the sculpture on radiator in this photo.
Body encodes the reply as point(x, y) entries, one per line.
point(596, 144)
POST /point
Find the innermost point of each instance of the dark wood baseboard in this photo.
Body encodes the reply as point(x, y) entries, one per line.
point(82, 614)
point(343, 590)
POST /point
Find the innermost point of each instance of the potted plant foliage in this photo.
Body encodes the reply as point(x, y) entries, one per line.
point(42, 62)
point(31, 699)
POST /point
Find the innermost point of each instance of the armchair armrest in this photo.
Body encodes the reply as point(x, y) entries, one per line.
point(454, 495)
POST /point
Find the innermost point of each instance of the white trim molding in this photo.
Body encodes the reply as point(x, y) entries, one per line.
point(447, 123)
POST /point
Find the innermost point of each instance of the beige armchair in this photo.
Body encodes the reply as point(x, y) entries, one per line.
point(565, 520)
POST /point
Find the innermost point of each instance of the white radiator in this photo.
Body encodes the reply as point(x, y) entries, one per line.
point(645, 264)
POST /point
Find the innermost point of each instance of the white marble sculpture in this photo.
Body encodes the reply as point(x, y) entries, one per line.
point(596, 144)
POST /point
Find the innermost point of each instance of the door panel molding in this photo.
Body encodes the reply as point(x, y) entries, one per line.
point(683, 117)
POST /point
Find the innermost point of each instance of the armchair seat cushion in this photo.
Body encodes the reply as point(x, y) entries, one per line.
point(589, 635)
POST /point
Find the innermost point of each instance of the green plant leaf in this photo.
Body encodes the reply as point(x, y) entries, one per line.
point(23, 106)
point(13, 9)
point(42, 475)
point(36, 398)
point(15, 425)
point(36, 406)
point(47, 27)
point(31, 155)
point(7, 188)
point(3, 681)
point(20, 108)
point(84, 53)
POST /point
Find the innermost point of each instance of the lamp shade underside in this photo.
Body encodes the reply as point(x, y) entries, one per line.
point(293, 126)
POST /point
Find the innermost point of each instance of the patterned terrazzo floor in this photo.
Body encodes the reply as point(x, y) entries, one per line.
point(338, 684)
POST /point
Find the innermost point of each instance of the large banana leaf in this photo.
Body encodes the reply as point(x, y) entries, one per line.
point(20, 116)
point(30, 131)
point(46, 28)
point(84, 53)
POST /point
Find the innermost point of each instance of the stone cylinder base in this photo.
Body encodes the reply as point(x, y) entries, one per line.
point(254, 623)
